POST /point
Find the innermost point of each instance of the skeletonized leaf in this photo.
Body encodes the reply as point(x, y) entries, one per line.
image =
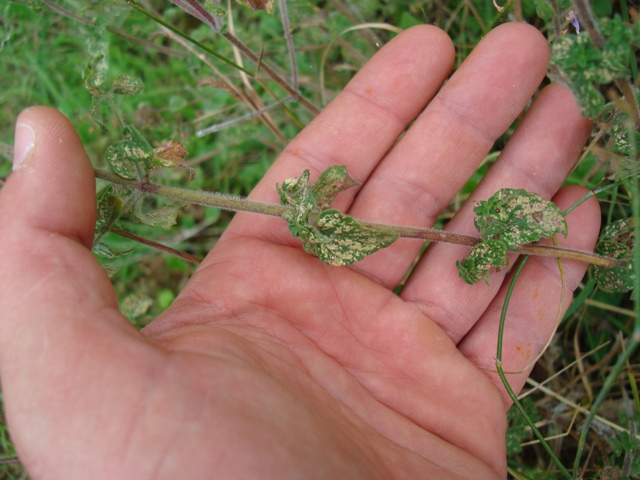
point(96, 113)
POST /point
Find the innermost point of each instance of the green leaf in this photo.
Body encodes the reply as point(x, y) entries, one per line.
point(487, 255)
point(622, 133)
point(140, 148)
point(518, 217)
point(341, 240)
point(332, 181)
point(127, 85)
point(118, 159)
point(109, 208)
point(544, 9)
point(214, 9)
point(616, 241)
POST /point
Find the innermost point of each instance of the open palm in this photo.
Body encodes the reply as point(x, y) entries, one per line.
point(271, 364)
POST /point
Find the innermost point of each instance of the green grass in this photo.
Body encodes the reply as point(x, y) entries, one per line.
point(42, 56)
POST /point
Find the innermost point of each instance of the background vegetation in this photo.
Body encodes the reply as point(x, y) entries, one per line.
point(44, 49)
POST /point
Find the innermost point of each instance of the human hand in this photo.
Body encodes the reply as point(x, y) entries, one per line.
point(270, 364)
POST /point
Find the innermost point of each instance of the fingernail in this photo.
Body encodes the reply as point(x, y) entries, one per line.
point(23, 147)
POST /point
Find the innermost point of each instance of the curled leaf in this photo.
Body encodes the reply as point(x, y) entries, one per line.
point(487, 255)
point(171, 154)
point(127, 85)
point(508, 220)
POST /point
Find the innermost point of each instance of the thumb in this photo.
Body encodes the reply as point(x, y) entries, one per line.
point(52, 189)
point(50, 284)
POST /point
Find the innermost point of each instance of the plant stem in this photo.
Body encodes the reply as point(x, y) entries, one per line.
point(235, 41)
point(238, 204)
point(199, 197)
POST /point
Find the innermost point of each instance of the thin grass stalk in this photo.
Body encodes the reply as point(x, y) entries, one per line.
point(201, 45)
point(505, 382)
point(288, 38)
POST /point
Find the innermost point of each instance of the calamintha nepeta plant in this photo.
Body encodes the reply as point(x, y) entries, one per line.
point(601, 53)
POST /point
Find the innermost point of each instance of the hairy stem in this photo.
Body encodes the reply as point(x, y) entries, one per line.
point(237, 204)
